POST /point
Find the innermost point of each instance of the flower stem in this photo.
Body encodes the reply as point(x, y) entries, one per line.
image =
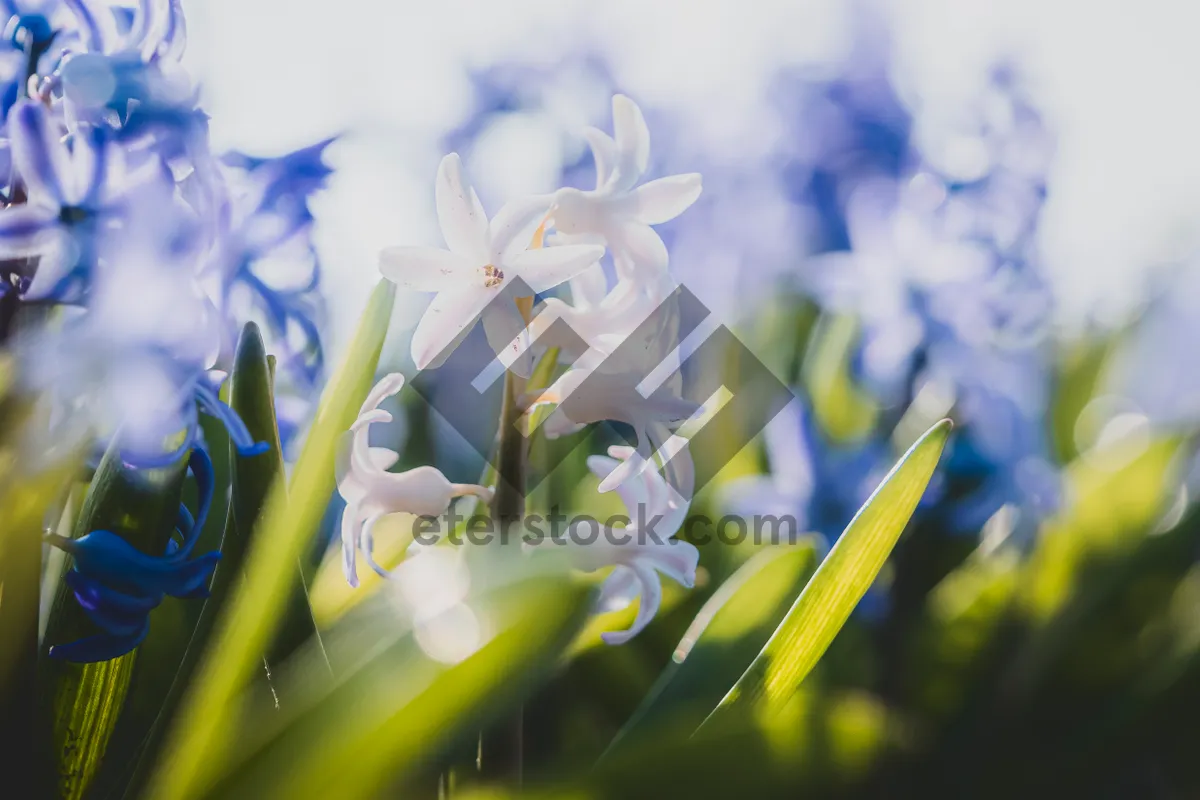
point(501, 747)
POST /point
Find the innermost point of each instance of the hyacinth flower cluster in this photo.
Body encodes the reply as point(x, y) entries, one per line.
point(852, 205)
point(131, 256)
point(538, 244)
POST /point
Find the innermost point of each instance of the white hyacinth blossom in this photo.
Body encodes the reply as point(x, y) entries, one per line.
point(618, 212)
point(474, 277)
point(482, 260)
point(371, 492)
point(645, 547)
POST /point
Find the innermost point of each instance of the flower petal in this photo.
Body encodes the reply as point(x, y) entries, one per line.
point(38, 152)
point(589, 287)
point(20, 227)
point(604, 153)
point(651, 598)
point(97, 22)
point(675, 559)
point(636, 247)
point(425, 269)
point(351, 532)
point(546, 267)
point(447, 320)
point(666, 198)
point(514, 225)
point(633, 144)
point(619, 589)
point(460, 214)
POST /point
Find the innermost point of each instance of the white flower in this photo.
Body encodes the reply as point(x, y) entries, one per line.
point(602, 319)
point(616, 212)
point(482, 260)
point(371, 492)
point(645, 546)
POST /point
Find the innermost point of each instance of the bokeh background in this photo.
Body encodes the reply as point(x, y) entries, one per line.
point(1115, 86)
point(911, 210)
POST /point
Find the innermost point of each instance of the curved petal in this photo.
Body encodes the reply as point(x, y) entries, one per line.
point(619, 589)
point(20, 227)
point(514, 225)
point(98, 23)
point(677, 560)
point(589, 287)
point(447, 319)
point(666, 198)
point(425, 269)
point(546, 267)
point(636, 247)
point(651, 599)
point(38, 152)
point(368, 545)
point(633, 493)
point(351, 532)
point(460, 214)
point(604, 153)
point(387, 386)
point(633, 144)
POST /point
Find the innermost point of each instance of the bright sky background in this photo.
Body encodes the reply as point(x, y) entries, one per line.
point(1116, 79)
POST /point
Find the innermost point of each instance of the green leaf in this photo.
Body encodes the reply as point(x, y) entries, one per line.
point(845, 411)
point(839, 583)
point(84, 701)
point(252, 397)
point(399, 708)
point(1115, 494)
point(724, 638)
point(234, 513)
point(197, 742)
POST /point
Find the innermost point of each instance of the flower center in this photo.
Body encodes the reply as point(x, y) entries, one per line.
point(492, 276)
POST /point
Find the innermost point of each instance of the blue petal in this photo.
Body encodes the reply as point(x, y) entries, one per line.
point(35, 144)
point(102, 647)
point(238, 434)
point(114, 612)
point(108, 558)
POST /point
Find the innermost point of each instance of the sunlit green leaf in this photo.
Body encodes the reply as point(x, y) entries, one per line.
point(400, 706)
point(86, 700)
point(198, 739)
point(839, 583)
point(726, 635)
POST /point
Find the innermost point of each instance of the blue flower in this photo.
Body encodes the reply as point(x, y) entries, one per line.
point(64, 185)
point(269, 217)
point(117, 585)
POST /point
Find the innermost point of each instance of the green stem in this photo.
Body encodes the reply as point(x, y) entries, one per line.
point(501, 747)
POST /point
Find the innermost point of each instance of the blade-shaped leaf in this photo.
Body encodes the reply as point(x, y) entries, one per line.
point(249, 389)
point(726, 635)
point(401, 707)
point(198, 739)
point(85, 700)
point(839, 583)
point(251, 395)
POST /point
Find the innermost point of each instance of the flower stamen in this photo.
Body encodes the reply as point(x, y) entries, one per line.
point(492, 276)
